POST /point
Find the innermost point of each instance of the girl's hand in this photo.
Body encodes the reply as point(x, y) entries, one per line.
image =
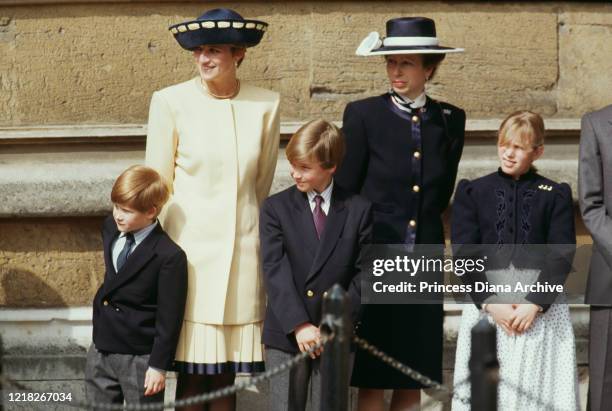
point(503, 314)
point(525, 315)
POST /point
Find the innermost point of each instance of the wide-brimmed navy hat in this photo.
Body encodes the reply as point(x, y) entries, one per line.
point(405, 35)
point(218, 26)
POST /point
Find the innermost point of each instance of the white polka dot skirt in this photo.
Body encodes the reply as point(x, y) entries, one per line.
point(540, 362)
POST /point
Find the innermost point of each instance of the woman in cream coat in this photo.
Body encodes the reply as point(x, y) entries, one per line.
point(215, 140)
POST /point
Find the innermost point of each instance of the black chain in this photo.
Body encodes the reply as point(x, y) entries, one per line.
point(437, 397)
point(199, 399)
point(439, 389)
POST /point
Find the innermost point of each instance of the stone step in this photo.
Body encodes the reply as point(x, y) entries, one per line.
point(63, 182)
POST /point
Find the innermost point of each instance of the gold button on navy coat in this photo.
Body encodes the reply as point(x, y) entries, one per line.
point(406, 168)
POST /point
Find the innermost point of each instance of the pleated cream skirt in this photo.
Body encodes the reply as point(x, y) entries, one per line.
point(208, 349)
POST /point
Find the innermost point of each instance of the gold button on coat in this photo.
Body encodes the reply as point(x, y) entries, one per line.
point(310, 293)
point(416, 188)
point(105, 302)
point(412, 223)
point(415, 119)
point(325, 294)
point(417, 154)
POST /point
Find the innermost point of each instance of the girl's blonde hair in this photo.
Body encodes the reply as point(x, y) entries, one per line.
point(524, 126)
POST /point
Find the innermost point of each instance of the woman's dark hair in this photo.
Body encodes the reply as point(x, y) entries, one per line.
point(432, 61)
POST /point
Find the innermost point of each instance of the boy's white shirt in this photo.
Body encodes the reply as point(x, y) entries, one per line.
point(139, 237)
point(326, 194)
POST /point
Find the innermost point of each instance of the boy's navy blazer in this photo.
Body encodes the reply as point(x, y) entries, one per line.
point(298, 267)
point(140, 309)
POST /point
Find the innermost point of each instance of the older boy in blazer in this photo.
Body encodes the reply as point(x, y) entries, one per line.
point(138, 310)
point(595, 191)
point(311, 237)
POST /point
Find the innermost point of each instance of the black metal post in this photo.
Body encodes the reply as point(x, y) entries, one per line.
point(484, 367)
point(335, 358)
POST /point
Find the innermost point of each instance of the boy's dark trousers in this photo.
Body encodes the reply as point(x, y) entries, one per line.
point(113, 378)
point(292, 390)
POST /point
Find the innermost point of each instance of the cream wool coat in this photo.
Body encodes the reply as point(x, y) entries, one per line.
point(220, 157)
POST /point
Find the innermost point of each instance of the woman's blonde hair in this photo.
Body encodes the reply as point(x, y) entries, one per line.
point(140, 188)
point(317, 140)
point(524, 126)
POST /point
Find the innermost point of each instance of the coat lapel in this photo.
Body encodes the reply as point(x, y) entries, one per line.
point(331, 234)
point(141, 255)
point(305, 221)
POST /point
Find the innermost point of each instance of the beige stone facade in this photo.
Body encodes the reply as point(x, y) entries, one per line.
point(92, 63)
point(76, 77)
point(99, 63)
point(59, 262)
point(50, 262)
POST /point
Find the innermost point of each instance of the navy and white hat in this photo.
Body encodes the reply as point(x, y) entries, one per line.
point(405, 35)
point(218, 26)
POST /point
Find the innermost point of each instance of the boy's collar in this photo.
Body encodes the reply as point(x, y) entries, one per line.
point(143, 232)
point(326, 194)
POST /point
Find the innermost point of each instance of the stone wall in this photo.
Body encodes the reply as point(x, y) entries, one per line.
point(81, 62)
point(99, 63)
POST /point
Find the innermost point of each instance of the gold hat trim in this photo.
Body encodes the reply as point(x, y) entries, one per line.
point(219, 24)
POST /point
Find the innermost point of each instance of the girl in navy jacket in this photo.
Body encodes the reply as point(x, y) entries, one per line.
point(514, 212)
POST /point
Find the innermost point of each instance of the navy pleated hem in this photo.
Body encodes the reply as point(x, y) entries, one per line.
point(219, 368)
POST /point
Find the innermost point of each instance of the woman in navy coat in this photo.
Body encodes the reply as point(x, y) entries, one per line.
point(403, 150)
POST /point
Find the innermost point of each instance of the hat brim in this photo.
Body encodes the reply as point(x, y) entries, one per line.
point(413, 50)
point(195, 33)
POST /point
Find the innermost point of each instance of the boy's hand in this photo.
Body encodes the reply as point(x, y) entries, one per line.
point(525, 314)
point(504, 315)
point(307, 335)
point(155, 381)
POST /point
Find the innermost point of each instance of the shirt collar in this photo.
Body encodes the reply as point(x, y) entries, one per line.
point(141, 234)
point(326, 194)
point(418, 102)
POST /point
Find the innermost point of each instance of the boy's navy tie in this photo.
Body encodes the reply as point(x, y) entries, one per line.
point(125, 253)
point(319, 216)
